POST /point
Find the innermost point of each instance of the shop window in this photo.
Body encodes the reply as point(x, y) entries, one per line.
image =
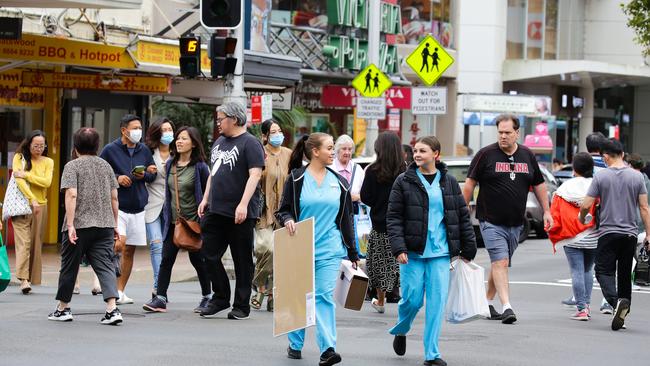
point(15, 124)
point(515, 29)
point(423, 17)
point(535, 29)
point(532, 29)
point(550, 30)
point(308, 13)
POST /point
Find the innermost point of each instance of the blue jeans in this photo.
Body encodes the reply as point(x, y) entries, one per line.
point(326, 273)
point(423, 281)
point(154, 239)
point(581, 263)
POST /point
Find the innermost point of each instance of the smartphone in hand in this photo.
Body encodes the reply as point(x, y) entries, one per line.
point(138, 169)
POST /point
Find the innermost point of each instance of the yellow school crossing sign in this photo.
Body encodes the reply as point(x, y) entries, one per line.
point(371, 82)
point(429, 60)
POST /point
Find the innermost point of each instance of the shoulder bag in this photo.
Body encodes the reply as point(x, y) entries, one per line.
point(15, 203)
point(187, 233)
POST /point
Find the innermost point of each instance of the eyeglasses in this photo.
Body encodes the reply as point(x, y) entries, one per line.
point(512, 163)
point(221, 119)
point(39, 147)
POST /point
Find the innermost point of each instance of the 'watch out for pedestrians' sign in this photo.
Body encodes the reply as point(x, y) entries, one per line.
point(371, 82)
point(429, 60)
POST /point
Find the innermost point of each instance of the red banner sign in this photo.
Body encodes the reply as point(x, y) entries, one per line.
point(345, 97)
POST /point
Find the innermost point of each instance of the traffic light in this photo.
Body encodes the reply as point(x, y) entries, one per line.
point(222, 14)
point(190, 61)
point(220, 50)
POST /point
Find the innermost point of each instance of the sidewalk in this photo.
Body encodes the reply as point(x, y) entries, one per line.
point(142, 272)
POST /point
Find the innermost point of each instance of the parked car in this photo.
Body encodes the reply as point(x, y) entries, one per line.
point(563, 174)
point(459, 166)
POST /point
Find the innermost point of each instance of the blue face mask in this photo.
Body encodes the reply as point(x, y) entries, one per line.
point(276, 139)
point(167, 138)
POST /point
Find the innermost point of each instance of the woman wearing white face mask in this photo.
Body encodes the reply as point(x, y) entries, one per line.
point(160, 135)
point(273, 178)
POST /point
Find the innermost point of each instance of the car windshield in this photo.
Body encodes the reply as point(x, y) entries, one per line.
point(459, 172)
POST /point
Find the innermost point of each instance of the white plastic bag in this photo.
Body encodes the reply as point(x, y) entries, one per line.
point(466, 299)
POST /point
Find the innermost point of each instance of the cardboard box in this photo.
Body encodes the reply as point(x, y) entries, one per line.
point(293, 278)
point(351, 286)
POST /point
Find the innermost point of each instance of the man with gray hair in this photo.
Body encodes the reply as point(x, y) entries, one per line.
point(230, 208)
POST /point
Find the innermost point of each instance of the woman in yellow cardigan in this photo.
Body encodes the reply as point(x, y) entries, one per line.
point(33, 172)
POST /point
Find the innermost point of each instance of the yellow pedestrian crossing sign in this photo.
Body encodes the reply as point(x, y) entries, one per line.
point(429, 60)
point(371, 82)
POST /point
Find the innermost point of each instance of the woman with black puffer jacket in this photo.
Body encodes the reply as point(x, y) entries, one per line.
point(428, 224)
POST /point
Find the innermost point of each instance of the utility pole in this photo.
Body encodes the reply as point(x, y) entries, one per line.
point(234, 88)
point(374, 28)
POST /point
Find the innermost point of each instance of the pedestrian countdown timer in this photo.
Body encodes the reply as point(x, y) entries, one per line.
point(429, 60)
point(371, 82)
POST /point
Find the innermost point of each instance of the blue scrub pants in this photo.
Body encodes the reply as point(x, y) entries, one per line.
point(327, 271)
point(420, 277)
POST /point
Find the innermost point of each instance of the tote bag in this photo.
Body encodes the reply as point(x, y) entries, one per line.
point(15, 204)
point(466, 299)
point(362, 228)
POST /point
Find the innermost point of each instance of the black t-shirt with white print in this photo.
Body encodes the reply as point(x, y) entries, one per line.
point(230, 160)
point(504, 182)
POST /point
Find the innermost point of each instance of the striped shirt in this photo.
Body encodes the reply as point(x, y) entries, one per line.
point(585, 240)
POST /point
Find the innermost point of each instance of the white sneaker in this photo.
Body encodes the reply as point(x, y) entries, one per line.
point(123, 299)
point(380, 308)
point(112, 318)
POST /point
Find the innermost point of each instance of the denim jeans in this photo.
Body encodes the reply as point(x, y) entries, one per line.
point(155, 241)
point(581, 263)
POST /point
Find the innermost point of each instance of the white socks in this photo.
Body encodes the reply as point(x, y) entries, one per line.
point(491, 302)
point(506, 306)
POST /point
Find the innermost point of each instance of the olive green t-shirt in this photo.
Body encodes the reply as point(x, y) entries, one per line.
point(186, 196)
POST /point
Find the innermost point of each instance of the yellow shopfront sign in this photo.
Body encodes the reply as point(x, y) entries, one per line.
point(66, 52)
point(13, 94)
point(155, 53)
point(145, 84)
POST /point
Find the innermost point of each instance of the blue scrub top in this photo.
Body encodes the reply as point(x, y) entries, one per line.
point(322, 203)
point(437, 245)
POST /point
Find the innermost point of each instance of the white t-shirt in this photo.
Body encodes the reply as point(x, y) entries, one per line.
point(156, 190)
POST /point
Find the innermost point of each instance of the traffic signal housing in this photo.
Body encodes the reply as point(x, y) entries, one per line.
point(221, 50)
point(221, 14)
point(190, 60)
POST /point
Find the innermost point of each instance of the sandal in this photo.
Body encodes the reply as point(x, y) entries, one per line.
point(256, 300)
point(269, 304)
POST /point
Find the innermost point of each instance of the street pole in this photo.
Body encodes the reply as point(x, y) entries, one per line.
point(234, 88)
point(374, 28)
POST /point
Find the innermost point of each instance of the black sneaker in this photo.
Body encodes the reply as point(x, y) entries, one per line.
point(157, 304)
point(437, 362)
point(622, 309)
point(237, 314)
point(293, 354)
point(329, 357)
point(202, 305)
point(399, 345)
point(112, 318)
point(494, 315)
point(213, 309)
point(508, 317)
point(64, 315)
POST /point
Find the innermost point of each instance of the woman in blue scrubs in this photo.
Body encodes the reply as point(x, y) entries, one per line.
point(428, 224)
point(323, 195)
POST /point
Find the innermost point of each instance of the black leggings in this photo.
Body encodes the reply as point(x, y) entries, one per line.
point(169, 253)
